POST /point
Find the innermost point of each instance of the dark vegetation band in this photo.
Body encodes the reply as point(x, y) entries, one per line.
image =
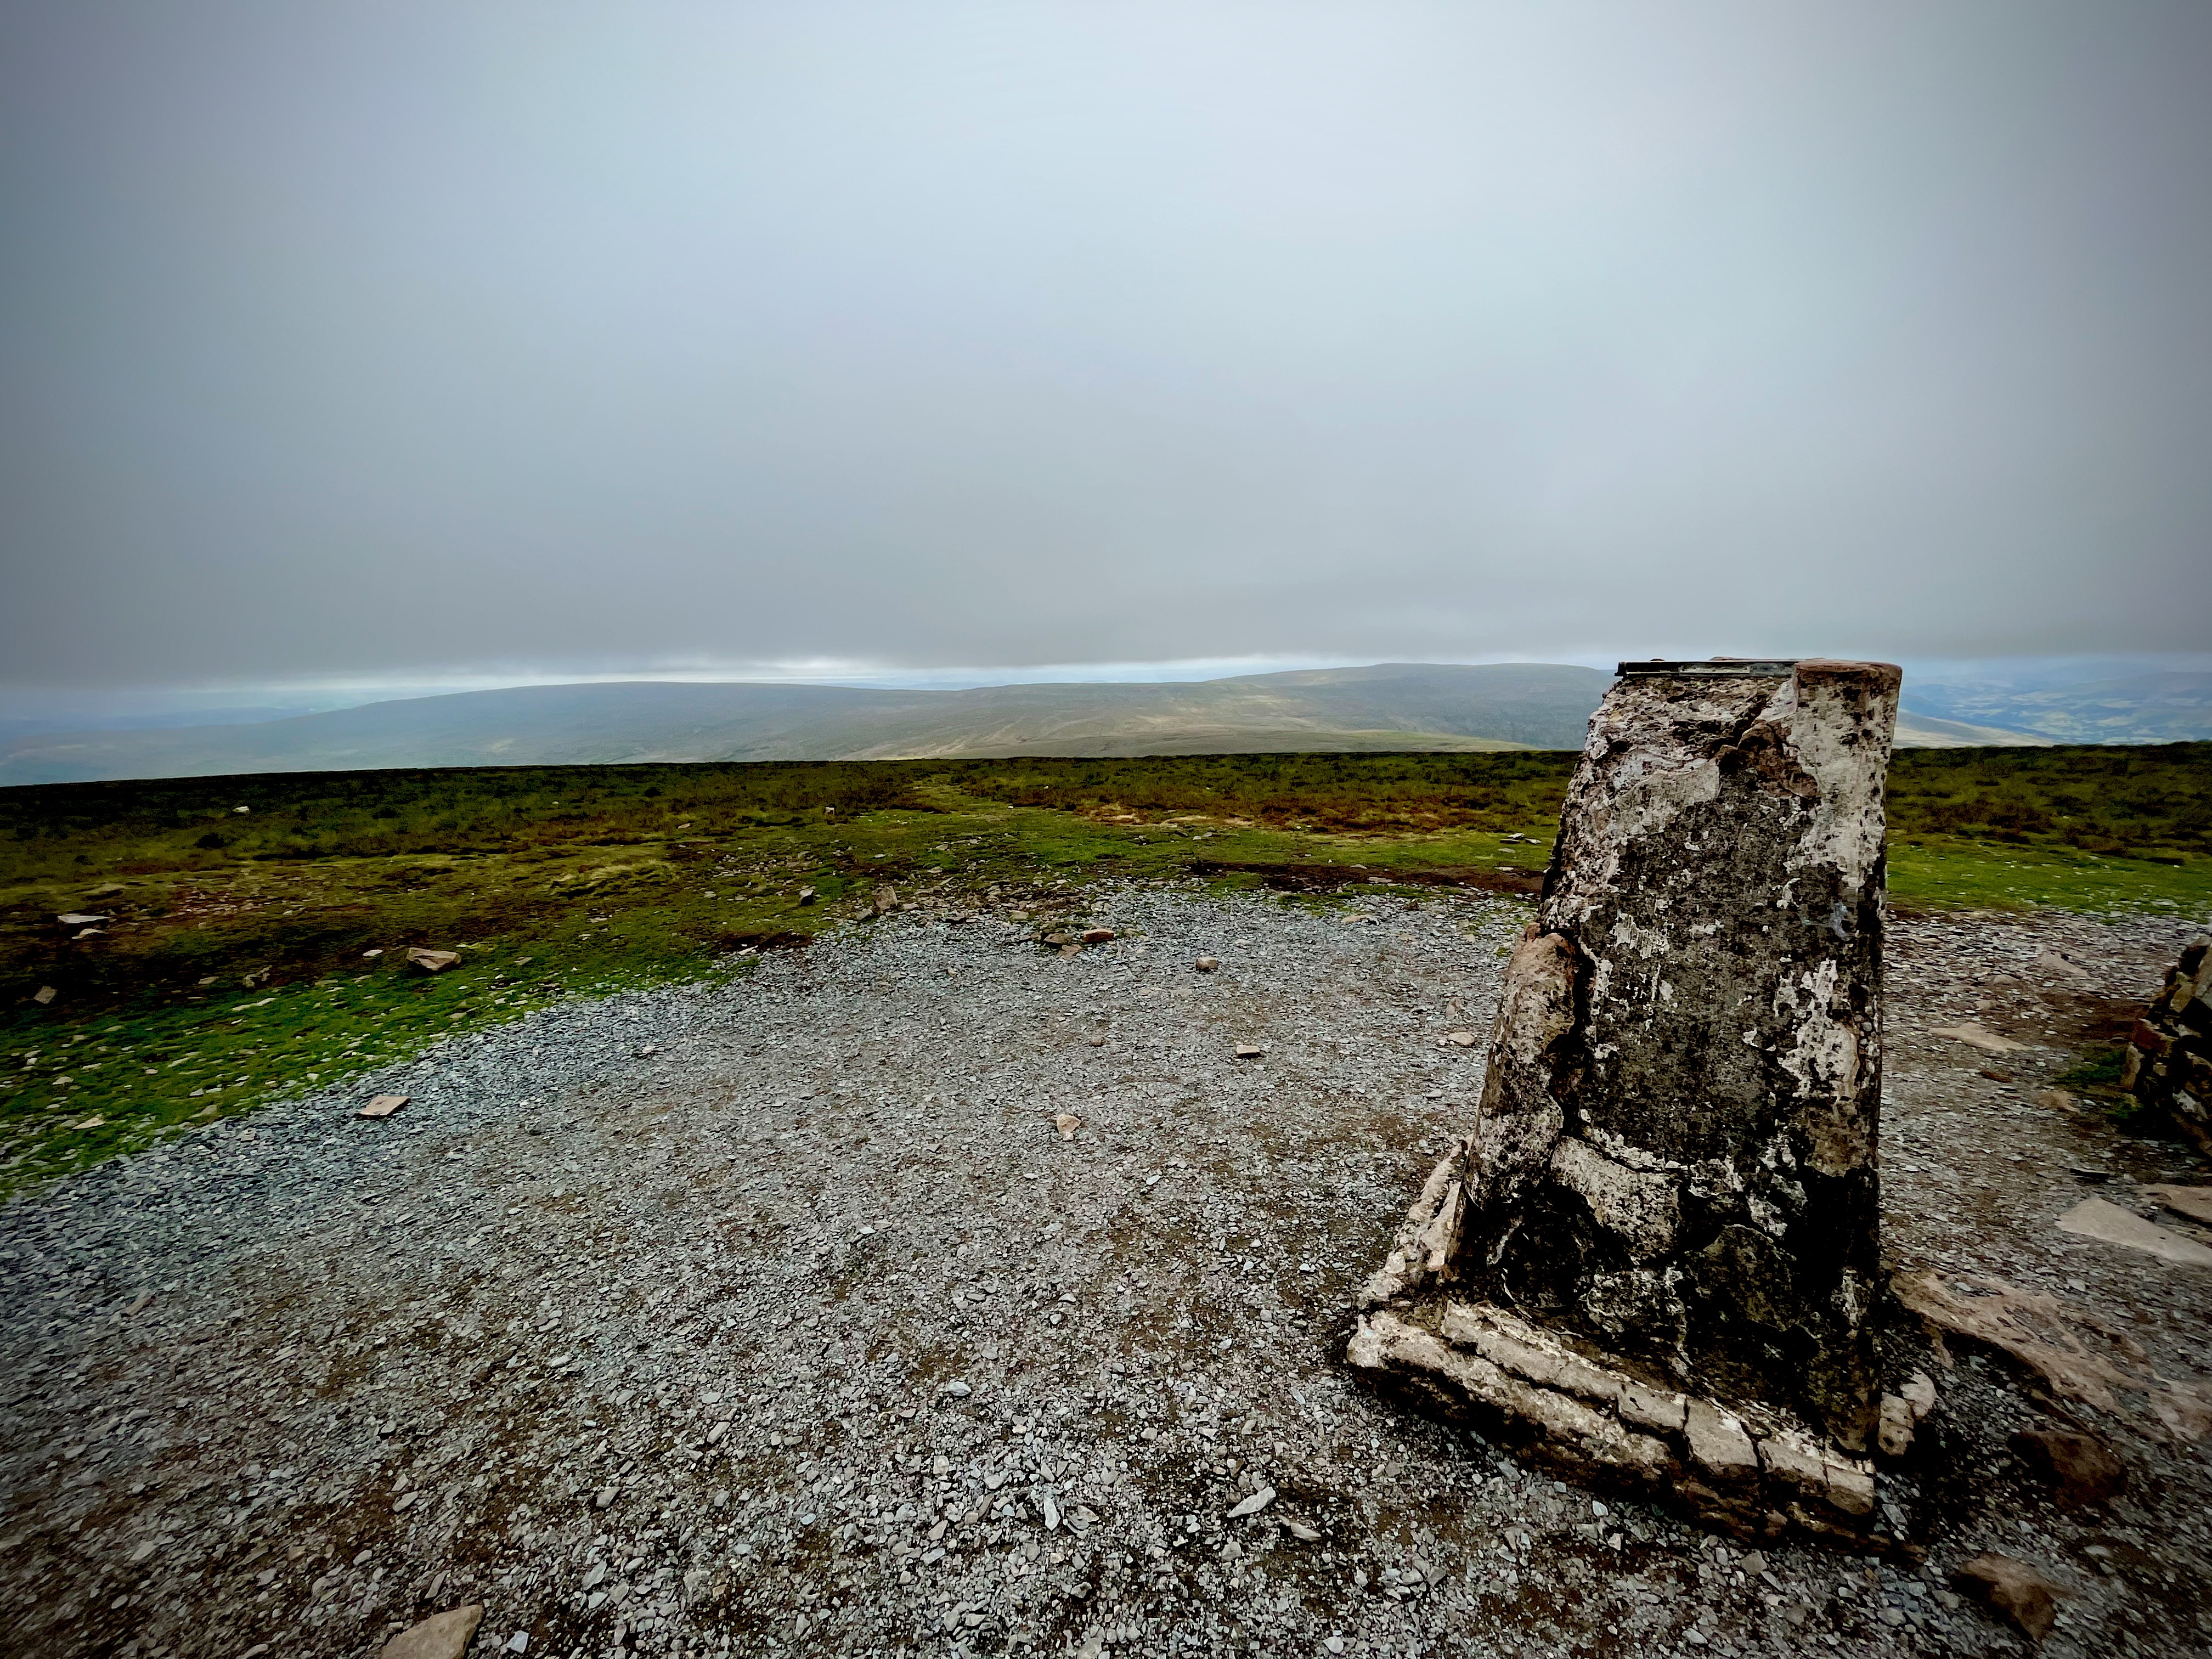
point(2152, 802)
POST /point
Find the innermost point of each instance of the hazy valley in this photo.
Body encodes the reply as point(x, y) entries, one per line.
point(1387, 705)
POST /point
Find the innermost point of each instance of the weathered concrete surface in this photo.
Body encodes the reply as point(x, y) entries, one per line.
point(1672, 1167)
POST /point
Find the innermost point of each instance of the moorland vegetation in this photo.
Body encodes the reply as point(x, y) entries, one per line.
point(253, 931)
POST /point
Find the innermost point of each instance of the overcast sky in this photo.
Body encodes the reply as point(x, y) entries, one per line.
point(413, 340)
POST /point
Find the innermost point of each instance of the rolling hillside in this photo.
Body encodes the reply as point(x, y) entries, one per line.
point(1389, 706)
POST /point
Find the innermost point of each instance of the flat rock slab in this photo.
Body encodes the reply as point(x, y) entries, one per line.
point(2108, 1223)
point(1980, 1036)
point(442, 1636)
point(384, 1105)
point(2195, 1202)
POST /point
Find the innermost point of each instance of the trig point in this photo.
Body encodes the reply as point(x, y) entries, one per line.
point(1651, 1258)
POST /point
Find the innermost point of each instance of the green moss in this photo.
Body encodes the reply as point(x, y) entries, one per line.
point(2099, 1069)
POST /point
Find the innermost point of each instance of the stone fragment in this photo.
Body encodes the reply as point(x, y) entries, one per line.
point(1097, 936)
point(1252, 1505)
point(1514, 1345)
point(1067, 1123)
point(1653, 1408)
point(2108, 1223)
point(1207, 965)
point(807, 896)
point(442, 1636)
point(432, 962)
point(2079, 1355)
point(1638, 1207)
point(1461, 1039)
point(1719, 1443)
point(1816, 1475)
point(2050, 962)
point(2057, 1100)
point(2186, 1413)
point(2195, 1202)
point(384, 1105)
point(1978, 1036)
point(1918, 1391)
point(2012, 1588)
point(1894, 1436)
point(1299, 1531)
point(1589, 1437)
point(44, 994)
point(2080, 1469)
point(886, 901)
point(1250, 1051)
point(81, 919)
point(1428, 1235)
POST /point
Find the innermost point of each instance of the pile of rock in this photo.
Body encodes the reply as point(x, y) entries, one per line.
point(2168, 1067)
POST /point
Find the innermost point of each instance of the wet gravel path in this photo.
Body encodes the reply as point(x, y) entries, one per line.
point(779, 1316)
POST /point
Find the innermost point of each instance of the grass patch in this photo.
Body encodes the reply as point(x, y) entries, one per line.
point(2152, 804)
point(1391, 794)
point(2099, 1070)
point(1970, 876)
point(234, 965)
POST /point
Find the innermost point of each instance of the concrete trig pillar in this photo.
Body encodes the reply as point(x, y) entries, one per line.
point(1651, 1260)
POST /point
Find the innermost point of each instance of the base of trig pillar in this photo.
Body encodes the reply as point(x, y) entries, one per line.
point(1749, 1470)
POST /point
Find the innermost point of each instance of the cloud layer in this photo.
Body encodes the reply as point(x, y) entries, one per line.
point(406, 336)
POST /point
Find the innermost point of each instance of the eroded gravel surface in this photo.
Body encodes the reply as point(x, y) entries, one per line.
point(775, 1315)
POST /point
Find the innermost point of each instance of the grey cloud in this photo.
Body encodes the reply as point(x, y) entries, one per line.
point(398, 338)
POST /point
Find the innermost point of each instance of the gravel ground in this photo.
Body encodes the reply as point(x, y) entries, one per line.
point(776, 1315)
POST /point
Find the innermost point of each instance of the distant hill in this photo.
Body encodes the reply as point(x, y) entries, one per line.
point(1389, 706)
point(1924, 731)
point(2059, 706)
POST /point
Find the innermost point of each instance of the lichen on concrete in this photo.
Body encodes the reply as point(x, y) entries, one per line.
point(1672, 1169)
